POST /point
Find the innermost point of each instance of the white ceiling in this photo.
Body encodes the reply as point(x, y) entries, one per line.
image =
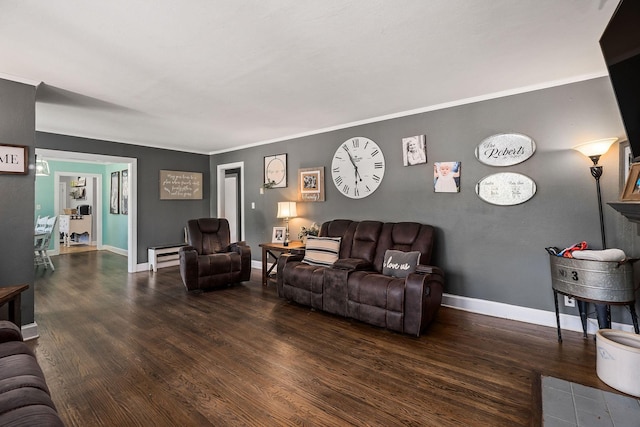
point(213, 75)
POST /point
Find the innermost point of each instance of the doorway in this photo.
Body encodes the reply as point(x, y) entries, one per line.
point(91, 195)
point(231, 197)
point(131, 163)
point(232, 209)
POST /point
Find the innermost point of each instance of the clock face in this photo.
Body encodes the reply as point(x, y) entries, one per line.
point(357, 168)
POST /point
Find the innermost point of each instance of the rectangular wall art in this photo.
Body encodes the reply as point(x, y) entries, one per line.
point(311, 184)
point(180, 185)
point(114, 198)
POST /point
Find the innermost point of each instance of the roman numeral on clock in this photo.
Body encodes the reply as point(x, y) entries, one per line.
point(377, 165)
point(338, 180)
point(376, 178)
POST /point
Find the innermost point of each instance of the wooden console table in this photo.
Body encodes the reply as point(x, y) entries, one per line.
point(274, 250)
point(11, 295)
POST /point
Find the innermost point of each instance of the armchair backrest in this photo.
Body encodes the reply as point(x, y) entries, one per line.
point(208, 235)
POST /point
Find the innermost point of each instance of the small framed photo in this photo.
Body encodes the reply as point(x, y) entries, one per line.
point(632, 187)
point(311, 184)
point(275, 171)
point(414, 150)
point(446, 177)
point(278, 234)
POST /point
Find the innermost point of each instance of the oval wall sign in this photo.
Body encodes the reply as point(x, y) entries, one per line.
point(505, 149)
point(506, 188)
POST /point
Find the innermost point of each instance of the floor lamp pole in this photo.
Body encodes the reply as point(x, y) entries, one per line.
point(602, 310)
point(596, 172)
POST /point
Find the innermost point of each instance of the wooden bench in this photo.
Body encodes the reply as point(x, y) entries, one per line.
point(164, 256)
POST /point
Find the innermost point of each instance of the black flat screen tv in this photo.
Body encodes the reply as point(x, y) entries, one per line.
point(620, 44)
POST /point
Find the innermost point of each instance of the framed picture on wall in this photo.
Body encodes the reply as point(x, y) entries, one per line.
point(15, 159)
point(311, 184)
point(446, 177)
point(414, 150)
point(275, 171)
point(124, 192)
point(114, 199)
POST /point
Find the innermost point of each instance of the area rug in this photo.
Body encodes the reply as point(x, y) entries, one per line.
point(569, 404)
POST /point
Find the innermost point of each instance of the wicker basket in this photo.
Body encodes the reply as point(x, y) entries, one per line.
point(70, 211)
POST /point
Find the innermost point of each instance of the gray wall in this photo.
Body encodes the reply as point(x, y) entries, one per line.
point(17, 126)
point(159, 221)
point(488, 252)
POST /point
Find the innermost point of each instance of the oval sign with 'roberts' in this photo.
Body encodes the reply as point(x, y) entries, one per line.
point(505, 149)
point(506, 188)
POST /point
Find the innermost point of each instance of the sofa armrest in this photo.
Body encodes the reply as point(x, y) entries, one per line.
point(352, 264)
point(429, 269)
point(423, 296)
point(9, 331)
point(189, 267)
point(244, 250)
point(283, 259)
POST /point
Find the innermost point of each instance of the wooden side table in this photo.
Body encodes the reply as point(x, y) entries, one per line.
point(274, 250)
point(11, 295)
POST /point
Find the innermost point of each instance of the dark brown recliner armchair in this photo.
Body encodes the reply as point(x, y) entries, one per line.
point(210, 260)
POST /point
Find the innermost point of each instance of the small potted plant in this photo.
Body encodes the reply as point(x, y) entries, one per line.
point(312, 230)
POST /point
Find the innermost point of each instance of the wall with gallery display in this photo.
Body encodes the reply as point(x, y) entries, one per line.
point(534, 190)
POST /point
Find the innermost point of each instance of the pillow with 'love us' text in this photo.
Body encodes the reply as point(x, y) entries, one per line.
point(400, 264)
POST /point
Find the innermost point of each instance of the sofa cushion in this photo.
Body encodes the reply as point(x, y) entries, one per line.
point(321, 250)
point(400, 264)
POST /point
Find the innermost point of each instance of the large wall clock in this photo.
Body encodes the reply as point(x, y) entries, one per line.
point(357, 167)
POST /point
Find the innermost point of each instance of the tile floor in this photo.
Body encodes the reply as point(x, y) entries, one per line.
point(567, 404)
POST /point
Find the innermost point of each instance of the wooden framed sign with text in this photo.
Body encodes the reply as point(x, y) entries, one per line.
point(14, 159)
point(180, 185)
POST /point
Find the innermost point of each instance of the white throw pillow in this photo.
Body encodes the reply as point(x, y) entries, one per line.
point(321, 250)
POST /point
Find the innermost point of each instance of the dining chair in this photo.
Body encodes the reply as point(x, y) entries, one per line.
point(41, 244)
point(41, 224)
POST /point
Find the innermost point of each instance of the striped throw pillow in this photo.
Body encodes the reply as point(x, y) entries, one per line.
point(321, 250)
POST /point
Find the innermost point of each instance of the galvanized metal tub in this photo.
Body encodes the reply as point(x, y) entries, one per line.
point(605, 281)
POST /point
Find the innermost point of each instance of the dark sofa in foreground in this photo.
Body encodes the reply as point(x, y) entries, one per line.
point(371, 280)
point(24, 395)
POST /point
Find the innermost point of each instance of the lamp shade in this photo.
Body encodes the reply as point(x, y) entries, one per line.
point(595, 148)
point(42, 168)
point(287, 210)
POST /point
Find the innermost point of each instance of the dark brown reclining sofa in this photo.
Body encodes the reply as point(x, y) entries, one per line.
point(24, 395)
point(354, 285)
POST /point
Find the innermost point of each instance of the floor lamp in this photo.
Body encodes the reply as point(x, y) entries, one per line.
point(593, 150)
point(286, 210)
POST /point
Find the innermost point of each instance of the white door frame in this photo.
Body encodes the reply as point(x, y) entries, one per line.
point(132, 220)
point(221, 169)
point(96, 214)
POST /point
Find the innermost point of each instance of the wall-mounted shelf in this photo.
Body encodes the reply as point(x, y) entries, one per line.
point(631, 210)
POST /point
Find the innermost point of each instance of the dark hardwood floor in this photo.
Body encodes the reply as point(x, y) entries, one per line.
point(123, 349)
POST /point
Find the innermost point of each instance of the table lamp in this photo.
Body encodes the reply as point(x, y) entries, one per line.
point(286, 210)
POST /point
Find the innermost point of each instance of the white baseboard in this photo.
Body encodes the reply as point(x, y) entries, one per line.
point(30, 331)
point(115, 250)
point(524, 314)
